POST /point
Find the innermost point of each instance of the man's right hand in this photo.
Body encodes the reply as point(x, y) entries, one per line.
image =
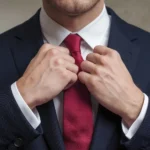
point(51, 71)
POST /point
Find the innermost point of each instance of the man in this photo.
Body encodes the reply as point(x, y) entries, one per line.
point(87, 88)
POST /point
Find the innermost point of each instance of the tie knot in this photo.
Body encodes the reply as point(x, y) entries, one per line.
point(73, 42)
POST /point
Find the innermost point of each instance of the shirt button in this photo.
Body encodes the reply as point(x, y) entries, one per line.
point(18, 142)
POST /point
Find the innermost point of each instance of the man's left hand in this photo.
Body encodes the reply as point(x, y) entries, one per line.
point(108, 80)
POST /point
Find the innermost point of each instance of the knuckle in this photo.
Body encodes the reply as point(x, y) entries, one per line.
point(66, 50)
point(83, 64)
point(74, 77)
point(64, 74)
point(58, 61)
point(72, 59)
point(61, 71)
point(53, 52)
point(103, 60)
point(80, 75)
point(76, 68)
point(48, 53)
point(88, 56)
point(97, 70)
point(97, 48)
point(45, 46)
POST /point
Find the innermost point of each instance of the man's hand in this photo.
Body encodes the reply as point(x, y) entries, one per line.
point(109, 81)
point(50, 71)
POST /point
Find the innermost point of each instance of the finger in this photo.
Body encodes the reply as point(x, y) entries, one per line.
point(54, 50)
point(67, 57)
point(94, 58)
point(58, 59)
point(102, 50)
point(71, 67)
point(73, 79)
point(42, 51)
point(84, 77)
point(63, 49)
point(88, 67)
point(47, 47)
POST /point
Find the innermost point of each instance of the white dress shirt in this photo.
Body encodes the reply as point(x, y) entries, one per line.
point(95, 33)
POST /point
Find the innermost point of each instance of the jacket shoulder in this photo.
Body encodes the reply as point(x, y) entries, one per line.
point(20, 29)
point(132, 30)
point(128, 29)
point(13, 31)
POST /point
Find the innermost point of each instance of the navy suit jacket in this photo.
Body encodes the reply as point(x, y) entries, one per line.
point(20, 44)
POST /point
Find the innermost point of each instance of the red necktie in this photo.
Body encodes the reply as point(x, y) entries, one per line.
point(78, 117)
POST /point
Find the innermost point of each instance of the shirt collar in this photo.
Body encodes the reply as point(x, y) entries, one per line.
point(91, 34)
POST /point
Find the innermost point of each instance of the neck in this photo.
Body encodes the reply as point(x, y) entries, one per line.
point(74, 23)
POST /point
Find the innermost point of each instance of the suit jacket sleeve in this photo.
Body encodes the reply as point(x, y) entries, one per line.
point(14, 128)
point(141, 139)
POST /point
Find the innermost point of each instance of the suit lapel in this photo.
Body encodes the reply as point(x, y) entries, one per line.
point(109, 124)
point(124, 42)
point(28, 40)
point(26, 43)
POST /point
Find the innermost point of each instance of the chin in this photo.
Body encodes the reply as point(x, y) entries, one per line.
point(72, 7)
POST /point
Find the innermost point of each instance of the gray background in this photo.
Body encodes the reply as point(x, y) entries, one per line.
point(13, 12)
